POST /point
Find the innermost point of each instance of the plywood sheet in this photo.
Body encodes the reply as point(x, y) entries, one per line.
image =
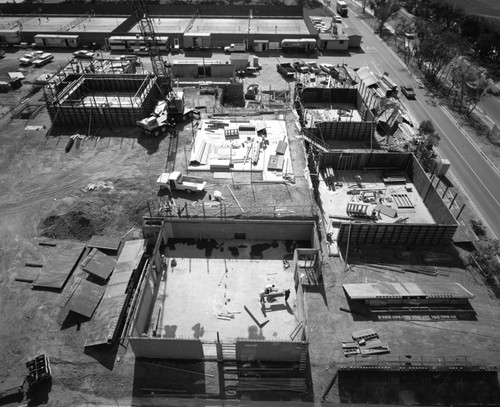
point(105, 242)
point(100, 265)
point(27, 274)
point(276, 163)
point(102, 328)
point(85, 298)
point(59, 265)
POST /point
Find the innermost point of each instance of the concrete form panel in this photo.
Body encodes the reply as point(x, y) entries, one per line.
point(163, 348)
point(104, 99)
point(390, 234)
point(253, 230)
point(268, 350)
point(431, 198)
point(368, 291)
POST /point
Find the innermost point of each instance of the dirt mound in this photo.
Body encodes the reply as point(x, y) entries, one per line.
point(72, 225)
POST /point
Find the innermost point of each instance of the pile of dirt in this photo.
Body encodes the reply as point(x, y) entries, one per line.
point(72, 225)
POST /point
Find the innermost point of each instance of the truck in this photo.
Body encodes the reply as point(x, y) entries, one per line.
point(166, 115)
point(286, 70)
point(241, 47)
point(175, 180)
point(342, 8)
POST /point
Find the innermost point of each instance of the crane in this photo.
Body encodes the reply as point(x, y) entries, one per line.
point(146, 25)
point(171, 110)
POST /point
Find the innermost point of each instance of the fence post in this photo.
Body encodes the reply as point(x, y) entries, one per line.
point(453, 200)
point(445, 191)
point(459, 212)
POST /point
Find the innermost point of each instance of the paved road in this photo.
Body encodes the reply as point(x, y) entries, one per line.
point(477, 177)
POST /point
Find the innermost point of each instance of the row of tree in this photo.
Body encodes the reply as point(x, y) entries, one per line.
point(440, 49)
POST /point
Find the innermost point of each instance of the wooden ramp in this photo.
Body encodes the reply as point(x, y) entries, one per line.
point(59, 266)
point(103, 328)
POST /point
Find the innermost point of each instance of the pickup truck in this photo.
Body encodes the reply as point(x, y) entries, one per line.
point(235, 48)
point(175, 180)
point(286, 69)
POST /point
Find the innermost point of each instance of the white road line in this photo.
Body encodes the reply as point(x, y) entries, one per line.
point(376, 68)
point(444, 134)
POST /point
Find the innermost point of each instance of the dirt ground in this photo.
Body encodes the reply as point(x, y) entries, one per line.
point(103, 186)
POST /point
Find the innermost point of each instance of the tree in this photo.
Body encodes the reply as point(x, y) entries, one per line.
point(364, 3)
point(424, 144)
point(384, 9)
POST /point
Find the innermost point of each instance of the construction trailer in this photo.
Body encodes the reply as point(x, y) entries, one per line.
point(197, 40)
point(57, 41)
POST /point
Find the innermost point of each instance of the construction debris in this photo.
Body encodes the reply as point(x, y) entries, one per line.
point(366, 343)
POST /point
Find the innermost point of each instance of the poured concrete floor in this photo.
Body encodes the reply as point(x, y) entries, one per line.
point(335, 202)
point(195, 290)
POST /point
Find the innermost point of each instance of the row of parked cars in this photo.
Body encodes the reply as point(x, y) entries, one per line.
point(312, 67)
point(36, 58)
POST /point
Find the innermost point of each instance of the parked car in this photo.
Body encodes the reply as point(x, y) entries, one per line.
point(43, 60)
point(329, 69)
point(83, 54)
point(301, 67)
point(28, 58)
point(409, 92)
point(337, 19)
point(314, 67)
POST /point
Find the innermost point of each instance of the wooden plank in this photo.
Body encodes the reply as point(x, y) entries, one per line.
point(105, 242)
point(59, 266)
point(256, 315)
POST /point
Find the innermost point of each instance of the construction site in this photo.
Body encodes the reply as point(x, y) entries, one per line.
point(174, 237)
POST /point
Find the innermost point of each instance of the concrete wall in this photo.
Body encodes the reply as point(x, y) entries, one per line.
point(268, 350)
point(162, 348)
point(440, 233)
point(430, 196)
point(147, 294)
point(253, 229)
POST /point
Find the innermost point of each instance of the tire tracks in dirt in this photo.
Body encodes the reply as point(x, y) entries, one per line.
point(59, 187)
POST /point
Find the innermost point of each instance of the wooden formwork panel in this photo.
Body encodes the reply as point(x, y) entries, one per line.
point(391, 234)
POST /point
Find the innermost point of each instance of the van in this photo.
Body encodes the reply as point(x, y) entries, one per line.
point(43, 60)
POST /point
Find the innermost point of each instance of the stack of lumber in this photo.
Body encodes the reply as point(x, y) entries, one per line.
point(272, 384)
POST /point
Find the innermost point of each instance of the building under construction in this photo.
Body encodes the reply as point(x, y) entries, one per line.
point(103, 100)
